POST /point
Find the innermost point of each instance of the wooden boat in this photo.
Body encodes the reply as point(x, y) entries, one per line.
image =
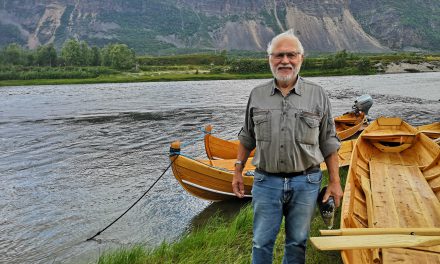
point(208, 179)
point(431, 130)
point(393, 187)
point(211, 179)
point(349, 124)
point(217, 148)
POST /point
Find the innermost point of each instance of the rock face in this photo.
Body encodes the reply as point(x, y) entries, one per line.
point(404, 25)
point(153, 26)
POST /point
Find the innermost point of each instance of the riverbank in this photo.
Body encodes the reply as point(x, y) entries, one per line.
point(138, 77)
point(221, 241)
point(203, 75)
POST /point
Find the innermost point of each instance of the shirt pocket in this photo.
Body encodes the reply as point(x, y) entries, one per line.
point(307, 127)
point(262, 124)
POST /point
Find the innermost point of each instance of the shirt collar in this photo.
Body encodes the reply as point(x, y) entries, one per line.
point(297, 88)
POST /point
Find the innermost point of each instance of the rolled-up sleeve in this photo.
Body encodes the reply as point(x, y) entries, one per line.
point(328, 140)
point(246, 136)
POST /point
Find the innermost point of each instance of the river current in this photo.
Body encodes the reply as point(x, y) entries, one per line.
point(74, 157)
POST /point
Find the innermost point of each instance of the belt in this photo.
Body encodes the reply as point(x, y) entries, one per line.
point(312, 169)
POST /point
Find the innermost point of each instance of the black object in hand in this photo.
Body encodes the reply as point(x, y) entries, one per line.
point(327, 209)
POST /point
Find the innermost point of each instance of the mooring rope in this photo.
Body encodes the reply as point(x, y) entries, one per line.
point(145, 193)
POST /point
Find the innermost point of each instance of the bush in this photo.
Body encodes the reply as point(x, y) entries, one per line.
point(70, 72)
point(249, 66)
point(364, 65)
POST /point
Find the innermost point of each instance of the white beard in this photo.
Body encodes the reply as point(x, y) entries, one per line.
point(285, 78)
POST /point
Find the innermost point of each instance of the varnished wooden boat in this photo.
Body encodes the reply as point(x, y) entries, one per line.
point(208, 179)
point(393, 185)
point(349, 124)
point(431, 130)
point(217, 148)
point(211, 179)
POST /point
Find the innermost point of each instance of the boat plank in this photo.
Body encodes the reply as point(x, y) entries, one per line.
point(395, 158)
point(383, 199)
point(409, 201)
point(402, 255)
point(425, 195)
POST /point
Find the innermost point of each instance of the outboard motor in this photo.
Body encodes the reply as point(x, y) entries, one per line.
point(363, 104)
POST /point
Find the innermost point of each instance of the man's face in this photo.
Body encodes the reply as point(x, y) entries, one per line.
point(285, 60)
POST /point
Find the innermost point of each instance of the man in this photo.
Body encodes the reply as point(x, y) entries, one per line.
point(289, 122)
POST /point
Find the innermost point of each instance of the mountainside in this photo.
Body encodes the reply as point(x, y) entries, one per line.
point(158, 26)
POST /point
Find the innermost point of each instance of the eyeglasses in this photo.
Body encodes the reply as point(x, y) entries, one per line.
point(291, 55)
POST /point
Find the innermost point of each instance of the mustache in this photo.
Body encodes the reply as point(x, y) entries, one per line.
point(289, 66)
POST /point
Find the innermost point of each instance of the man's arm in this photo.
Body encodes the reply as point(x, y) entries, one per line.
point(334, 184)
point(237, 180)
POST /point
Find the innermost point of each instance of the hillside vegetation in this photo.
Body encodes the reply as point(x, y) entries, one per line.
point(77, 62)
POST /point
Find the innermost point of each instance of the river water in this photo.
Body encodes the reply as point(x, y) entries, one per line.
point(74, 157)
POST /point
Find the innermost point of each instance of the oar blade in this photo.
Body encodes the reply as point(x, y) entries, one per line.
point(373, 241)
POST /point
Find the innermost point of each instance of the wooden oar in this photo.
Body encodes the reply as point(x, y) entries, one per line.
point(421, 231)
point(373, 241)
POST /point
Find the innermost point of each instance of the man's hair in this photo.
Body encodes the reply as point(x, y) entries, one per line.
point(289, 34)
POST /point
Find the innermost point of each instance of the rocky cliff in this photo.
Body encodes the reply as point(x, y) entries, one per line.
point(152, 26)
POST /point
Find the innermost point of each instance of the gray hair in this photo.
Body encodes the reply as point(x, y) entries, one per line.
point(289, 34)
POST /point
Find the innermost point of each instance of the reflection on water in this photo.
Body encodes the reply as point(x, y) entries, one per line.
point(74, 157)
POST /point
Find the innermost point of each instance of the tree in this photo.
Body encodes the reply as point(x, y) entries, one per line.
point(121, 57)
point(96, 57)
point(46, 55)
point(86, 54)
point(71, 53)
point(13, 54)
point(337, 61)
point(105, 56)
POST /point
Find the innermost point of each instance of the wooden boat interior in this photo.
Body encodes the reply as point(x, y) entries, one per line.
point(349, 124)
point(431, 130)
point(393, 182)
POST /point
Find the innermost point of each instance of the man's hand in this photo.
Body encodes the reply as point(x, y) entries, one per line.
point(334, 189)
point(334, 184)
point(237, 183)
point(237, 180)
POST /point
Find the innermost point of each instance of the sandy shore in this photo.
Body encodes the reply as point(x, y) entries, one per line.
point(410, 67)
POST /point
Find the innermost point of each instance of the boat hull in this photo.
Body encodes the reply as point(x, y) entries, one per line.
point(431, 130)
point(209, 180)
point(393, 182)
point(349, 124)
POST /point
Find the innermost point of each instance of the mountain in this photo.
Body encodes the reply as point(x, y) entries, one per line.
point(160, 26)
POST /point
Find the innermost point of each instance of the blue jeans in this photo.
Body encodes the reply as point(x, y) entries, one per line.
point(274, 197)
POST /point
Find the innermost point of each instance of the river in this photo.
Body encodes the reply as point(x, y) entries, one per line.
point(74, 157)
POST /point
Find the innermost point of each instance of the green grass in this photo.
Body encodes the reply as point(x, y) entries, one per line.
point(170, 77)
point(221, 241)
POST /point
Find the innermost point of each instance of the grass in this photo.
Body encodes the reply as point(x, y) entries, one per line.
point(221, 241)
point(126, 78)
point(170, 77)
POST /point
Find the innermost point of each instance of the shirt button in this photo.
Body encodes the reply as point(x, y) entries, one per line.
point(281, 161)
point(282, 129)
point(282, 146)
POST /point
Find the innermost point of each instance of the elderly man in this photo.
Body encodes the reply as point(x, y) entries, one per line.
point(289, 122)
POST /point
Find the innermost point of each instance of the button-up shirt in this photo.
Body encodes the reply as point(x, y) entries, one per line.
point(290, 133)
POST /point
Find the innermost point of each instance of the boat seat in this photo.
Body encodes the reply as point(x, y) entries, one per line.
point(396, 136)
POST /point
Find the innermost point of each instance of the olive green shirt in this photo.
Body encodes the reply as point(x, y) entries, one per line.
point(290, 133)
